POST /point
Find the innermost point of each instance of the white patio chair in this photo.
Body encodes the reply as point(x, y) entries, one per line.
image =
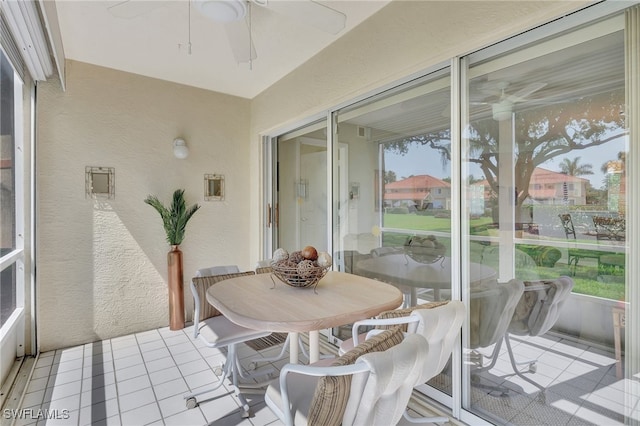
point(385, 320)
point(217, 331)
point(536, 312)
point(370, 385)
point(439, 323)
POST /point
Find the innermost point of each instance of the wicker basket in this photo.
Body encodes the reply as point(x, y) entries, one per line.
point(291, 276)
point(425, 254)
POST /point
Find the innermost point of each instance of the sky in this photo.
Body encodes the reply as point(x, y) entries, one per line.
point(422, 160)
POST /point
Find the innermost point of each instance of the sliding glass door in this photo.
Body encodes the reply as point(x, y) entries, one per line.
point(544, 166)
point(301, 191)
point(504, 180)
point(392, 192)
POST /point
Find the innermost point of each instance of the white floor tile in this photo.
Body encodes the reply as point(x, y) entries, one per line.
point(131, 372)
point(63, 391)
point(65, 377)
point(186, 418)
point(172, 405)
point(142, 416)
point(98, 395)
point(160, 364)
point(128, 361)
point(173, 387)
point(92, 414)
point(134, 400)
point(133, 385)
point(152, 345)
point(156, 354)
point(193, 367)
point(162, 376)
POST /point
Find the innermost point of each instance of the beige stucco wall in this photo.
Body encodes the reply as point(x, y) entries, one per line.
point(102, 267)
point(404, 38)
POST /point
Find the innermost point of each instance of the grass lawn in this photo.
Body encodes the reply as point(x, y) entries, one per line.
point(587, 281)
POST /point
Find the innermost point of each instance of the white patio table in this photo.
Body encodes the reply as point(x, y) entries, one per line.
point(254, 301)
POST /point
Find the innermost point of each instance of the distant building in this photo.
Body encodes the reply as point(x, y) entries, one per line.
point(548, 187)
point(421, 192)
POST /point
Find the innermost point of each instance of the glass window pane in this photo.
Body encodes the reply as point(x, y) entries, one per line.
point(7, 292)
point(545, 170)
point(301, 189)
point(393, 193)
point(7, 187)
point(7, 158)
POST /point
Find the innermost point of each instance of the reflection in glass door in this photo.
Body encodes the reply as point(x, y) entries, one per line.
point(302, 189)
point(392, 188)
point(544, 172)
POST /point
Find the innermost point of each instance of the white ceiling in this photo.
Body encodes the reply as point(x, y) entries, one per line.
point(155, 43)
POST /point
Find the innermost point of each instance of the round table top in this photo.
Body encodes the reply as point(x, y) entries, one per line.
point(258, 302)
point(401, 269)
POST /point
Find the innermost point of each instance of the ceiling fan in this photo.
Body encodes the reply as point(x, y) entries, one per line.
point(235, 15)
point(503, 108)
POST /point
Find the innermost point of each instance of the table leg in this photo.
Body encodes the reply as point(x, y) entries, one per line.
point(314, 346)
point(293, 347)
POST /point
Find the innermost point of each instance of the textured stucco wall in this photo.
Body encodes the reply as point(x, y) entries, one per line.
point(102, 266)
point(403, 38)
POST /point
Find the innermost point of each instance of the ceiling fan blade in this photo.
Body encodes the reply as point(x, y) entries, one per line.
point(240, 41)
point(129, 9)
point(311, 13)
point(521, 94)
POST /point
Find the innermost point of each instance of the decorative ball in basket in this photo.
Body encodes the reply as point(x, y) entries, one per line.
point(303, 268)
point(424, 249)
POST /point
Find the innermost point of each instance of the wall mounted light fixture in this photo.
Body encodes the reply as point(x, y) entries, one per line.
point(180, 149)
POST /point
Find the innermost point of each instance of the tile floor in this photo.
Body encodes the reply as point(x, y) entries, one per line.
point(581, 387)
point(140, 379)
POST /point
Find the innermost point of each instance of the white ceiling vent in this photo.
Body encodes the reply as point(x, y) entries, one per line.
point(364, 132)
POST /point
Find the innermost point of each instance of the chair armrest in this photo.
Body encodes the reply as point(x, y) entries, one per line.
point(411, 320)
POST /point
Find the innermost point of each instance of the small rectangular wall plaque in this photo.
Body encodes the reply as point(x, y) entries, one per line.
point(100, 182)
point(213, 187)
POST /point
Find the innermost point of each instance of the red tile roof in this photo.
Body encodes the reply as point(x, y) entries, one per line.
point(419, 181)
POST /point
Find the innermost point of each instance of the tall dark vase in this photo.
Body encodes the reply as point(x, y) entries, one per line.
point(176, 289)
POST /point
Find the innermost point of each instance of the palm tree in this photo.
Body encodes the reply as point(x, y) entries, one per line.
point(573, 168)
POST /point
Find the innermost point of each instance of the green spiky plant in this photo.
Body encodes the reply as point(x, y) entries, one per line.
point(175, 219)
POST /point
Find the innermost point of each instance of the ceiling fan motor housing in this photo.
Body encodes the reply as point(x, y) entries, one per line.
point(502, 110)
point(222, 10)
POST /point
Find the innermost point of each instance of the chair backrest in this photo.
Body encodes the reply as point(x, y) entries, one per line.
point(567, 224)
point(381, 396)
point(332, 392)
point(609, 228)
point(440, 326)
point(397, 313)
point(217, 270)
point(263, 266)
point(540, 305)
point(490, 312)
point(199, 286)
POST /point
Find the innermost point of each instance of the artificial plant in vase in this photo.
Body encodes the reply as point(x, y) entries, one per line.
point(174, 220)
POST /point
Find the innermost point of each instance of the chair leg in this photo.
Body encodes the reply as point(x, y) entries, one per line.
point(191, 400)
point(532, 368)
point(475, 377)
point(231, 370)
